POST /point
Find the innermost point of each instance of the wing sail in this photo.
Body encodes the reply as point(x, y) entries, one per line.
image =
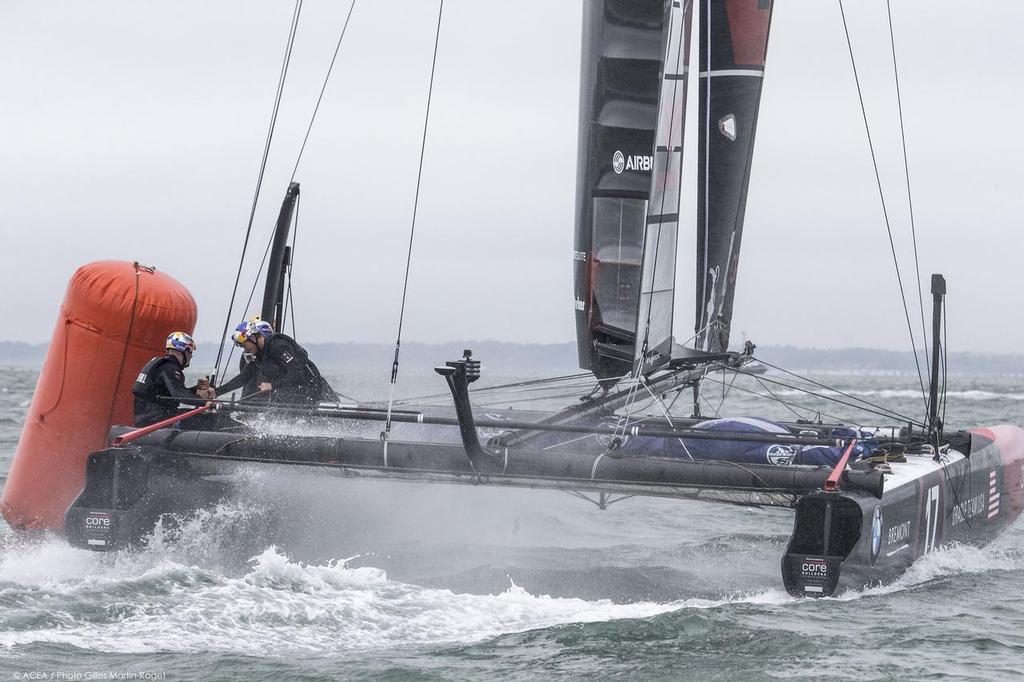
point(733, 46)
point(624, 46)
point(653, 348)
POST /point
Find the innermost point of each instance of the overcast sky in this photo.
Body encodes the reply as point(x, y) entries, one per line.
point(134, 130)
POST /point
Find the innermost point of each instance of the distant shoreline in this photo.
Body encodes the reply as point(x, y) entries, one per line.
point(510, 358)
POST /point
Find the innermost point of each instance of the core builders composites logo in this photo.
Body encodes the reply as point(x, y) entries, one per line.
point(633, 162)
point(814, 569)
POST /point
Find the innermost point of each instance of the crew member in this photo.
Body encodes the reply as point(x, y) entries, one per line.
point(279, 366)
point(160, 386)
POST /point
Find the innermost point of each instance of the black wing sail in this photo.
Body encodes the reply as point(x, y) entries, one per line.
point(624, 43)
point(733, 45)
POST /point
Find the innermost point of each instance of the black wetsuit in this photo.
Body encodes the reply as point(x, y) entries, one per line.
point(284, 364)
point(159, 388)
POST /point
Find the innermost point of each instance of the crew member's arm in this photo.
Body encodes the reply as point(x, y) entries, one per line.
point(239, 381)
point(173, 381)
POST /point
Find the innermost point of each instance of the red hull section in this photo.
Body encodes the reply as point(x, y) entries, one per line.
point(1009, 440)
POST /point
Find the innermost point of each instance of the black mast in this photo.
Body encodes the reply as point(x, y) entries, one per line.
point(273, 291)
point(934, 425)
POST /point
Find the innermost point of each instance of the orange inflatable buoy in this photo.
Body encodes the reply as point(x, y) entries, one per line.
point(116, 315)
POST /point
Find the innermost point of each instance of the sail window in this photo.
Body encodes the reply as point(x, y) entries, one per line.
point(618, 253)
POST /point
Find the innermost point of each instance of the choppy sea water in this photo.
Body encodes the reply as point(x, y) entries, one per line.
point(307, 576)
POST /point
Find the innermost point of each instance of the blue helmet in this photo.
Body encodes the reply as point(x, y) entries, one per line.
point(180, 341)
point(252, 327)
point(238, 336)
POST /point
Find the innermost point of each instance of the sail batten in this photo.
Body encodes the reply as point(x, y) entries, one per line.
point(755, 73)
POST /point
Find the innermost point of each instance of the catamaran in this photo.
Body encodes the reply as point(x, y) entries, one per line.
point(867, 499)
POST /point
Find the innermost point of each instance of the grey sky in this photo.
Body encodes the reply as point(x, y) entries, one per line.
point(134, 130)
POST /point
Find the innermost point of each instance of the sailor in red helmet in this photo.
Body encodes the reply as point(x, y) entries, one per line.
point(160, 386)
point(279, 366)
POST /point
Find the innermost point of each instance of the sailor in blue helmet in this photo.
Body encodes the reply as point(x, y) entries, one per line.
point(160, 386)
point(279, 366)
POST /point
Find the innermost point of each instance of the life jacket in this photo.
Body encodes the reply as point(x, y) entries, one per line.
point(308, 385)
point(145, 387)
point(309, 373)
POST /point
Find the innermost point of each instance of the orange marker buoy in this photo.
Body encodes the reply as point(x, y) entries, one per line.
point(116, 315)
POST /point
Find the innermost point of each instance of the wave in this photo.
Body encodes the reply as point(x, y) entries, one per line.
point(173, 597)
point(277, 607)
point(948, 562)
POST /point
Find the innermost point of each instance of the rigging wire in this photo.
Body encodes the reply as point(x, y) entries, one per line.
point(488, 389)
point(631, 396)
point(323, 89)
point(881, 412)
point(884, 412)
point(270, 241)
point(956, 490)
point(657, 400)
point(412, 229)
point(725, 392)
point(787, 404)
point(568, 382)
point(292, 303)
point(252, 291)
point(707, 402)
point(672, 403)
point(532, 398)
point(289, 302)
point(282, 78)
point(910, 199)
point(781, 401)
point(569, 391)
point(881, 196)
point(581, 386)
point(892, 413)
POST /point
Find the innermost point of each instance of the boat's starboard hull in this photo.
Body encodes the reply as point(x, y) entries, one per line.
point(849, 540)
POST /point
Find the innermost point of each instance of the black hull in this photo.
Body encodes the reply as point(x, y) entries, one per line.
point(127, 490)
point(842, 540)
point(849, 540)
